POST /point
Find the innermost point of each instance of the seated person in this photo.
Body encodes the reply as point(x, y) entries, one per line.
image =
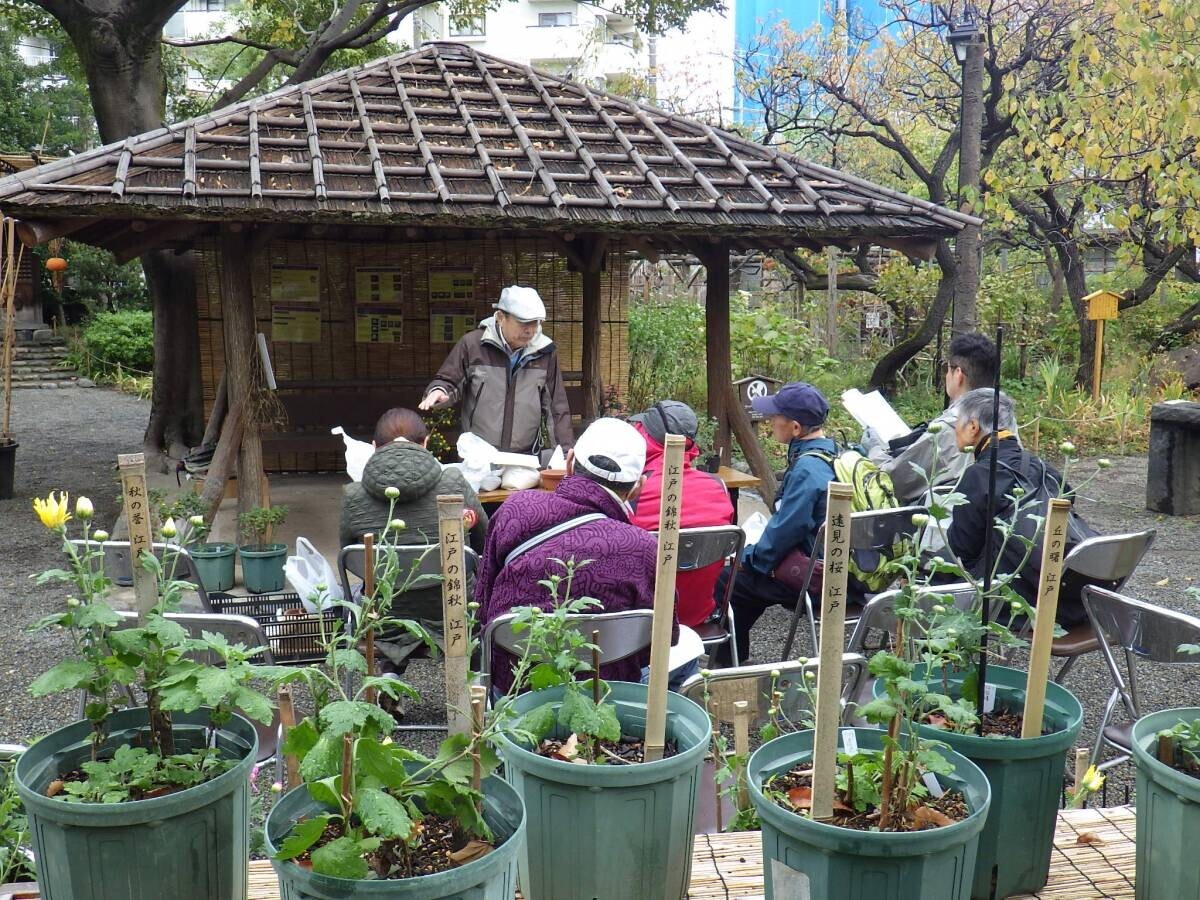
point(604, 474)
point(970, 364)
point(705, 501)
point(797, 415)
point(401, 461)
point(1016, 467)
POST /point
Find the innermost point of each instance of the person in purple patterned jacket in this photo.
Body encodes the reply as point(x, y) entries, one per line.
point(604, 475)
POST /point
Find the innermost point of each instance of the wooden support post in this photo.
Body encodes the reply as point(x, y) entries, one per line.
point(287, 720)
point(833, 625)
point(718, 361)
point(223, 462)
point(592, 254)
point(664, 596)
point(747, 437)
point(454, 612)
point(1054, 543)
point(368, 597)
point(212, 431)
point(831, 301)
point(241, 360)
point(1081, 767)
point(132, 467)
point(741, 748)
point(1098, 362)
point(348, 769)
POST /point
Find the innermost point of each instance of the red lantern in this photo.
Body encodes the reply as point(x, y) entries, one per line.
point(56, 264)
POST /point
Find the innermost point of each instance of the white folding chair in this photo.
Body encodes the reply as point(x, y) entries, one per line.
point(1144, 633)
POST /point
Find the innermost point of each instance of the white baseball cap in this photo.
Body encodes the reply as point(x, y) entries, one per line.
point(522, 303)
point(612, 450)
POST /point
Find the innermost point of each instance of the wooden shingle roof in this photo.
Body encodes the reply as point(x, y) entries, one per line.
point(448, 136)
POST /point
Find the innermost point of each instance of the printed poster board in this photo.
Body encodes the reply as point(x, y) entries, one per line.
point(295, 324)
point(449, 285)
point(378, 325)
point(377, 284)
point(447, 324)
point(295, 284)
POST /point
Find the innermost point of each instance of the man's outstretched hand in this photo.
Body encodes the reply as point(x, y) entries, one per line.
point(432, 399)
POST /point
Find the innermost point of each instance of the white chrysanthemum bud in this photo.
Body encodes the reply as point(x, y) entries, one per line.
point(168, 529)
point(83, 508)
point(392, 493)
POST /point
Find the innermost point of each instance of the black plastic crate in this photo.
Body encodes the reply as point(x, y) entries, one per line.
point(292, 632)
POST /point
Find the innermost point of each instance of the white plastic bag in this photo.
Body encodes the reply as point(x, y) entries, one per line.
point(357, 454)
point(476, 455)
point(519, 478)
point(308, 569)
point(753, 527)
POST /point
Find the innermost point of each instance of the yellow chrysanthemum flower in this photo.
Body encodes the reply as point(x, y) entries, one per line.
point(53, 510)
point(1093, 780)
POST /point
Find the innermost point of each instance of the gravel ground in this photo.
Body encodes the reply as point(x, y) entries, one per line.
point(73, 446)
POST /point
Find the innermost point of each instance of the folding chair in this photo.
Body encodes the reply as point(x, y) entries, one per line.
point(1106, 562)
point(622, 635)
point(874, 531)
point(1143, 632)
point(753, 684)
point(421, 562)
point(237, 630)
point(701, 547)
point(118, 564)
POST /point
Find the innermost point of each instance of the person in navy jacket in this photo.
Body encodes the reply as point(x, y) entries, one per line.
point(797, 415)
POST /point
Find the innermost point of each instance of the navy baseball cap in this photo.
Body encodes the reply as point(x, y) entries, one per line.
point(797, 400)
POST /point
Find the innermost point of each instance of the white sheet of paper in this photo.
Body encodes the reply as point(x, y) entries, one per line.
point(753, 527)
point(874, 412)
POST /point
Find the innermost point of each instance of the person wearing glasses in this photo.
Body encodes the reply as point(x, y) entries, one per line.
point(970, 364)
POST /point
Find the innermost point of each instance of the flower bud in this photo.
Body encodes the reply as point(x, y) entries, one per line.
point(773, 711)
point(83, 508)
point(472, 606)
point(386, 742)
point(938, 608)
point(775, 673)
point(72, 602)
point(396, 525)
point(706, 673)
point(1067, 447)
point(920, 520)
point(1018, 491)
point(392, 493)
point(196, 521)
point(99, 535)
point(276, 787)
point(803, 660)
point(168, 529)
point(320, 588)
point(935, 427)
point(970, 448)
point(1104, 463)
point(810, 675)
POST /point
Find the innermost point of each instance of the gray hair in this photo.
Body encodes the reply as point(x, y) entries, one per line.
point(976, 406)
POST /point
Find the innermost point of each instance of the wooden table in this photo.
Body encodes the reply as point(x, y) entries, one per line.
point(733, 480)
point(726, 866)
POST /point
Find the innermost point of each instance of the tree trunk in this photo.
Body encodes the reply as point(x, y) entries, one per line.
point(1058, 284)
point(122, 58)
point(1071, 259)
point(895, 359)
point(968, 243)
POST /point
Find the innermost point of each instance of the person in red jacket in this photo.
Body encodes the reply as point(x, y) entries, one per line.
point(705, 501)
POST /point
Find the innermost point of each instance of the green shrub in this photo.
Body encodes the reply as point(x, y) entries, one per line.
point(115, 340)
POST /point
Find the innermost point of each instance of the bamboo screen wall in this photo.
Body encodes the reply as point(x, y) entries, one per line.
point(338, 359)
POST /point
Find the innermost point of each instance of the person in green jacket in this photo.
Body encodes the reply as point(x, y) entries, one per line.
point(401, 461)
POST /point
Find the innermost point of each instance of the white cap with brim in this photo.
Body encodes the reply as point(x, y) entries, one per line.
point(612, 451)
point(522, 303)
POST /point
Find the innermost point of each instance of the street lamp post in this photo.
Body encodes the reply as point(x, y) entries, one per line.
point(966, 38)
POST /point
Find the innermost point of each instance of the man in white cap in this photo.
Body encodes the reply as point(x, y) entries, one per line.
point(505, 374)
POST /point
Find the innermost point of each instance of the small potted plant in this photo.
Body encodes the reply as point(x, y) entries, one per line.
point(214, 560)
point(908, 810)
point(575, 756)
point(262, 560)
point(376, 819)
point(137, 785)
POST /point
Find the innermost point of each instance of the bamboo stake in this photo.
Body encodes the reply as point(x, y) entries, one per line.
point(348, 770)
point(368, 601)
point(9, 275)
point(716, 732)
point(287, 719)
point(833, 625)
point(1165, 751)
point(664, 596)
point(478, 703)
point(132, 467)
point(1054, 543)
point(1081, 767)
point(741, 747)
point(454, 608)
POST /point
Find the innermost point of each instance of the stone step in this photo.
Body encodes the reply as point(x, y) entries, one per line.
point(59, 382)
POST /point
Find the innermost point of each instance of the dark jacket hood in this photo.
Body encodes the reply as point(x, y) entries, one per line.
point(655, 450)
point(408, 467)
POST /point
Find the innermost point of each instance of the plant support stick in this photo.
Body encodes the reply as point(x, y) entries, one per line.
point(369, 602)
point(287, 719)
point(741, 748)
point(664, 596)
point(454, 609)
point(833, 625)
point(989, 518)
point(1054, 543)
point(132, 467)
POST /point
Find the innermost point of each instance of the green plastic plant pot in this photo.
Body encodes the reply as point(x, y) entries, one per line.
point(834, 863)
point(1168, 814)
point(262, 567)
point(492, 877)
point(1026, 776)
point(190, 845)
point(612, 832)
point(215, 564)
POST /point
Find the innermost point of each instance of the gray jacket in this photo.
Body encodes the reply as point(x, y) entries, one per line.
point(911, 487)
point(507, 406)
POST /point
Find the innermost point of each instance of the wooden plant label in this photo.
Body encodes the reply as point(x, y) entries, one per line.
point(132, 467)
point(664, 596)
point(741, 747)
point(454, 612)
point(833, 625)
point(1054, 544)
